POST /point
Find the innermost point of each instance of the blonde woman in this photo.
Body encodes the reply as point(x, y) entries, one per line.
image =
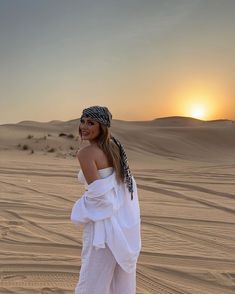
point(108, 209)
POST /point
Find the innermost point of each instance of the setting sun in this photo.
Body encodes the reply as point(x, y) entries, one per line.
point(197, 111)
point(195, 101)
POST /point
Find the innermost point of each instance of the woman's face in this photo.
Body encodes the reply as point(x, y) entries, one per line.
point(89, 129)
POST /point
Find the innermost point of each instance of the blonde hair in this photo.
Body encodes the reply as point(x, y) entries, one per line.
point(110, 149)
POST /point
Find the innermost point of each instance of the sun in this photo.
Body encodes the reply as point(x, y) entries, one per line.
point(197, 111)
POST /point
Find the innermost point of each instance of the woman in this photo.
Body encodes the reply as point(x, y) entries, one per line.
point(109, 210)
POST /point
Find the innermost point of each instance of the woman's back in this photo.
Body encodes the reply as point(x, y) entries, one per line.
point(104, 172)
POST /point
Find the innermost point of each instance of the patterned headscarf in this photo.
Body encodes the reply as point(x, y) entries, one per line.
point(103, 115)
point(98, 113)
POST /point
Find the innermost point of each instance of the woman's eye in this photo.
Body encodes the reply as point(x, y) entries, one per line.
point(89, 122)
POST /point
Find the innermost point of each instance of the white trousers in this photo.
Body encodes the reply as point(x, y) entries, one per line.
point(100, 273)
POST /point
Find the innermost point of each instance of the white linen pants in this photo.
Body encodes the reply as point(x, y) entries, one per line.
point(100, 273)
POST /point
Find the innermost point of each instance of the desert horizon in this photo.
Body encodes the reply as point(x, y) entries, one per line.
point(170, 118)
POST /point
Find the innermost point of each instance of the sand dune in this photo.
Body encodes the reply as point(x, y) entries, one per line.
point(186, 181)
point(172, 138)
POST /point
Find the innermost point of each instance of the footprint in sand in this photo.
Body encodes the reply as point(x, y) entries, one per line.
point(14, 277)
point(16, 223)
point(4, 231)
point(51, 290)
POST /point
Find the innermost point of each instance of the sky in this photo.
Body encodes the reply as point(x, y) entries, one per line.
point(141, 59)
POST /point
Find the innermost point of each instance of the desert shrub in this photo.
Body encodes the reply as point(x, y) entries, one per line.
point(49, 135)
point(62, 135)
point(51, 150)
point(71, 148)
point(30, 136)
point(70, 136)
point(25, 147)
point(32, 151)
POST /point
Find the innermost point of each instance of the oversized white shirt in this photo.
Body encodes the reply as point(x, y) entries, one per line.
point(116, 218)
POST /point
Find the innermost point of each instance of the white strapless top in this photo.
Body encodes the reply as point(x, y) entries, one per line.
point(104, 172)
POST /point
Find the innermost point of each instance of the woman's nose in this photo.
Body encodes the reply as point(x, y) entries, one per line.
point(83, 126)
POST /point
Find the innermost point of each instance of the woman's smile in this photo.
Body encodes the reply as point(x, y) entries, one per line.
point(89, 129)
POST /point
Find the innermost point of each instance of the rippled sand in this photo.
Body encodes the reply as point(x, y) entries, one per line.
point(185, 172)
point(188, 225)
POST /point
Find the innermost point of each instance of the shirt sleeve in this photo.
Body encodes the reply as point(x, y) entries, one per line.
point(92, 207)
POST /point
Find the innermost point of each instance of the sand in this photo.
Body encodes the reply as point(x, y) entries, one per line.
point(186, 182)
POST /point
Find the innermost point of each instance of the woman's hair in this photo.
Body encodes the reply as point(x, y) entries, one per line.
point(110, 148)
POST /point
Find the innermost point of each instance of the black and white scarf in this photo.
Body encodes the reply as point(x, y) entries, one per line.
point(98, 113)
point(125, 166)
point(103, 115)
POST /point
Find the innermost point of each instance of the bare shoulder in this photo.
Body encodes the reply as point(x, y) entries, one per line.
point(88, 152)
point(86, 157)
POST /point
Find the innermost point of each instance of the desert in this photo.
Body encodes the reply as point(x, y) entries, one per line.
point(185, 173)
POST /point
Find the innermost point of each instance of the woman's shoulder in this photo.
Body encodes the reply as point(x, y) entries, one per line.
point(89, 151)
point(95, 154)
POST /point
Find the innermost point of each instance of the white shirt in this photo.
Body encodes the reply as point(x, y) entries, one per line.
point(115, 216)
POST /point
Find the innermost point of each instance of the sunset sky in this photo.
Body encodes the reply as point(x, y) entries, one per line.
point(141, 59)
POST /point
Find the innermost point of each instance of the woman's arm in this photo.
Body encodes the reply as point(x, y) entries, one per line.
point(86, 158)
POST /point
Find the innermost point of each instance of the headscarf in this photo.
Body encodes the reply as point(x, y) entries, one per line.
point(99, 114)
point(102, 115)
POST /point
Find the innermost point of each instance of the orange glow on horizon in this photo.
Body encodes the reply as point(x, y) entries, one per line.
point(202, 104)
point(200, 107)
